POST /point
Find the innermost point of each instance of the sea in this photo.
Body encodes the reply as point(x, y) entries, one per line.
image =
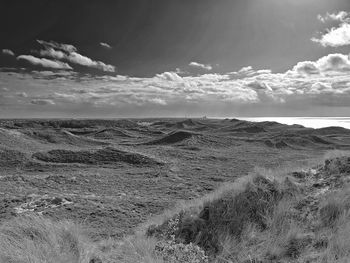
point(311, 122)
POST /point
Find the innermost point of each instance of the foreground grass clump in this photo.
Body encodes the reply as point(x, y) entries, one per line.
point(269, 217)
point(228, 214)
point(35, 239)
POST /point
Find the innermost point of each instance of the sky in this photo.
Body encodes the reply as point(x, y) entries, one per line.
point(178, 58)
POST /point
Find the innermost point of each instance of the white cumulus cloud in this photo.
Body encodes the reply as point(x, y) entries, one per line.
point(43, 62)
point(67, 52)
point(202, 66)
point(8, 52)
point(341, 16)
point(323, 83)
point(336, 36)
point(42, 102)
point(330, 64)
point(105, 45)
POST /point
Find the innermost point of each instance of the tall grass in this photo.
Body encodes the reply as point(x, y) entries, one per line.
point(255, 218)
point(133, 249)
point(35, 239)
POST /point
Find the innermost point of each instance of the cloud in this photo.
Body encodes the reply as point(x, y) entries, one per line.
point(341, 16)
point(22, 94)
point(319, 88)
point(8, 52)
point(50, 52)
point(247, 72)
point(70, 53)
point(303, 89)
point(42, 102)
point(77, 58)
point(105, 45)
point(306, 68)
point(170, 76)
point(330, 64)
point(336, 37)
point(64, 47)
point(202, 66)
point(43, 62)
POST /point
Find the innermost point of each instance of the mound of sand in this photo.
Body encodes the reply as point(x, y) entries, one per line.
point(250, 129)
point(71, 124)
point(300, 141)
point(243, 126)
point(332, 130)
point(107, 155)
point(15, 140)
point(183, 124)
point(11, 158)
point(173, 137)
point(111, 133)
point(59, 136)
point(279, 144)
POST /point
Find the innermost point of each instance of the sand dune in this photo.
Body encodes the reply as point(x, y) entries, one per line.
point(103, 156)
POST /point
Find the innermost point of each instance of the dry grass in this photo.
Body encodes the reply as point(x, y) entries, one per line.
point(255, 218)
point(336, 154)
point(335, 224)
point(135, 249)
point(227, 214)
point(333, 207)
point(338, 249)
point(35, 239)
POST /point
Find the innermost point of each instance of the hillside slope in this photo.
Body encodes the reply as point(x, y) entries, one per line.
point(268, 216)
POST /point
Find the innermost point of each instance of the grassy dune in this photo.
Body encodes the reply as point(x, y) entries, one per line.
point(32, 238)
point(268, 216)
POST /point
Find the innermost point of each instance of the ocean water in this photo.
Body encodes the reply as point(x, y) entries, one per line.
point(311, 122)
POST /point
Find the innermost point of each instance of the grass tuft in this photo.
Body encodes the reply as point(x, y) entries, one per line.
point(35, 239)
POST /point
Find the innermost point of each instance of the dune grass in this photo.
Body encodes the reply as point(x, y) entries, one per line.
point(258, 217)
point(35, 239)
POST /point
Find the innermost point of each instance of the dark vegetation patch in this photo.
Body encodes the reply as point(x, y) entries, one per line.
point(229, 214)
point(299, 141)
point(188, 124)
point(243, 127)
point(111, 133)
point(265, 220)
point(338, 165)
point(69, 123)
point(107, 155)
point(174, 137)
point(58, 136)
point(11, 158)
point(332, 130)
